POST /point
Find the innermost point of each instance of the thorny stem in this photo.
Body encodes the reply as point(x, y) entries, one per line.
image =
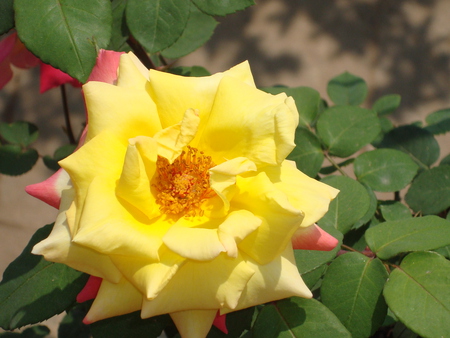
point(68, 128)
point(329, 158)
point(140, 52)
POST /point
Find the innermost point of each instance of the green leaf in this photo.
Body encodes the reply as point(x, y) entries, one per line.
point(308, 153)
point(72, 325)
point(21, 133)
point(195, 71)
point(394, 210)
point(418, 293)
point(445, 160)
point(65, 33)
point(430, 191)
point(312, 263)
point(119, 30)
point(331, 169)
point(16, 161)
point(415, 141)
point(37, 331)
point(33, 289)
point(349, 206)
point(129, 325)
point(388, 239)
point(444, 251)
point(236, 322)
point(298, 317)
point(347, 89)
point(60, 153)
point(438, 122)
point(370, 211)
point(222, 7)
point(387, 104)
point(385, 169)
point(306, 99)
point(345, 129)
point(352, 289)
point(157, 24)
point(6, 16)
point(199, 29)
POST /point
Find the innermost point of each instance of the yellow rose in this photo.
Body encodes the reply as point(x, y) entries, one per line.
point(181, 199)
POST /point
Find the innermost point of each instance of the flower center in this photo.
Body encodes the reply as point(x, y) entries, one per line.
point(183, 185)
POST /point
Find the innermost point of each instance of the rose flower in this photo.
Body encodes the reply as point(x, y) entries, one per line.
point(181, 200)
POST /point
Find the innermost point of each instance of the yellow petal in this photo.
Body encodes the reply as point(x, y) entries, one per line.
point(114, 299)
point(173, 139)
point(108, 227)
point(305, 193)
point(277, 280)
point(238, 225)
point(134, 184)
point(124, 111)
point(149, 278)
point(194, 323)
point(58, 247)
point(279, 218)
point(175, 94)
point(193, 243)
point(202, 286)
point(132, 73)
point(223, 178)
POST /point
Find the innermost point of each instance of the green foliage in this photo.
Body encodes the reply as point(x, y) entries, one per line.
point(418, 294)
point(394, 210)
point(347, 89)
point(60, 153)
point(6, 16)
point(16, 161)
point(221, 7)
point(65, 33)
point(438, 122)
point(309, 157)
point(37, 331)
point(387, 104)
point(33, 289)
point(20, 133)
point(352, 290)
point(389, 239)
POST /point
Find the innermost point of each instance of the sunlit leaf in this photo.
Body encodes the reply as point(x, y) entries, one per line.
point(438, 122)
point(346, 129)
point(21, 132)
point(388, 239)
point(352, 290)
point(347, 89)
point(418, 293)
point(394, 210)
point(385, 169)
point(387, 104)
point(65, 33)
point(298, 317)
point(308, 155)
point(430, 191)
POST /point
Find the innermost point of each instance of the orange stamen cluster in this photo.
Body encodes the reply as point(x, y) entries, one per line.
point(183, 185)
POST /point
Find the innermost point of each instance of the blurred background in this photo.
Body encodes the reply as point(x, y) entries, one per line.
point(397, 46)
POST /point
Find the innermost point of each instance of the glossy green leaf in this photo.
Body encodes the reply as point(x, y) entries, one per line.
point(331, 169)
point(370, 211)
point(195, 71)
point(298, 317)
point(430, 191)
point(308, 154)
point(6, 16)
point(65, 33)
point(387, 104)
point(222, 7)
point(349, 206)
point(415, 141)
point(347, 89)
point(21, 133)
point(394, 210)
point(419, 295)
point(16, 161)
point(346, 129)
point(129, 325)
point(199, 29)
point(312, 263)
point(157, 24)
point(119, 30)
point(33, 289)
point(385, 169)
point(307, 100)
point(352, 289)
point(388, 239)
point(438, 122)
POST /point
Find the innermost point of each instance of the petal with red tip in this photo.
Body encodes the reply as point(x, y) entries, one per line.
point(52, 77)
point(220, 322)
point(313, 238)
point(49, 191)
point(105, 69)
point(90, 290)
